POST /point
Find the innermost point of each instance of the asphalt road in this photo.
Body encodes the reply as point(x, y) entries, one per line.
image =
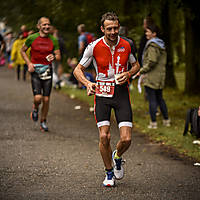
point(65, 163)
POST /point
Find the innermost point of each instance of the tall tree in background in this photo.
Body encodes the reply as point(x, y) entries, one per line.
point(178, 34)
point(166, 16)
point(192, 19)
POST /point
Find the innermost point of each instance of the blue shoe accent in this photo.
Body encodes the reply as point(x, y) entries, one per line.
point(110, 175)
point(109, 179)
point(118, 162)
point(118, 169)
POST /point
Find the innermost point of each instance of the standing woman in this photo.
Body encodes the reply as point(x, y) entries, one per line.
point(153, 70)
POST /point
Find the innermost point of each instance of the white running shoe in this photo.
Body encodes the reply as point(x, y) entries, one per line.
point(43, 126)
point(167, 122)
point(118, 168)
point(152, 125)
point(109, 180)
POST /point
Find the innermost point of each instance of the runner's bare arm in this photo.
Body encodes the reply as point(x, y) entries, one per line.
point(79, 74)
point(26, 58)
point(54, 56)
point(57, 55)
point(135, 68)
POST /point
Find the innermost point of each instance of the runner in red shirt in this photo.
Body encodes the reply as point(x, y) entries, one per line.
point(44, 49)
point(110, 55)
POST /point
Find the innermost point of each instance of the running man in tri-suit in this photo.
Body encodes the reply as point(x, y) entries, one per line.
point(44, 49)
point(110, 55)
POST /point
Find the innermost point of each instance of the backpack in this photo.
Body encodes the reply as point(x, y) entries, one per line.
point(2, 60)
point(89, 37)
point(193, 120)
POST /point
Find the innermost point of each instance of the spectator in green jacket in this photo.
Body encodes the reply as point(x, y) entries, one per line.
point(153, 71)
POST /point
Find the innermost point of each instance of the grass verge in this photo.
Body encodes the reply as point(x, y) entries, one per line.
point(177, 103)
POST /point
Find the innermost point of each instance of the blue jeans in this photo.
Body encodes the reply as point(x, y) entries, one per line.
point(155, 99)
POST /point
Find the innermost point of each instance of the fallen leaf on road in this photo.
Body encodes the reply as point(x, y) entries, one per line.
point(77, 107)
point(196, 142)
point(197, 164)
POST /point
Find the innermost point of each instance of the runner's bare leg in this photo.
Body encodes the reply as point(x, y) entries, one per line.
point(125, 140)
point(37, 100)
point(45, 108)
point(104, 146)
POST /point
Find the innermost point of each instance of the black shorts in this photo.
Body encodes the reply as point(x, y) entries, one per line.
point(39, 86)
point(120, 102)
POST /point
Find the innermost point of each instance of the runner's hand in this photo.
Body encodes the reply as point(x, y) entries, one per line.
point(50, 57)
point(123, 78)
point(91, 88)
point(31, 67)
point(138, 74)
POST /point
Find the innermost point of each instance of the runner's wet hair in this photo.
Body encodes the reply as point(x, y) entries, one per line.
point(109, 16)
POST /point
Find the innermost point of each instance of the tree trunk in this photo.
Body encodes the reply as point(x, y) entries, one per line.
point(192, 81)
point(179, 36)
point(165, 23)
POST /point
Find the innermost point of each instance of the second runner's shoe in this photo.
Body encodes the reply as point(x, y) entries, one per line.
point(118, 168)
point(43, 126)
point(109, 180)
point(34, 115)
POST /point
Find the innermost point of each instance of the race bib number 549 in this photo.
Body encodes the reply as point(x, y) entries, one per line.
point(105, 89)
